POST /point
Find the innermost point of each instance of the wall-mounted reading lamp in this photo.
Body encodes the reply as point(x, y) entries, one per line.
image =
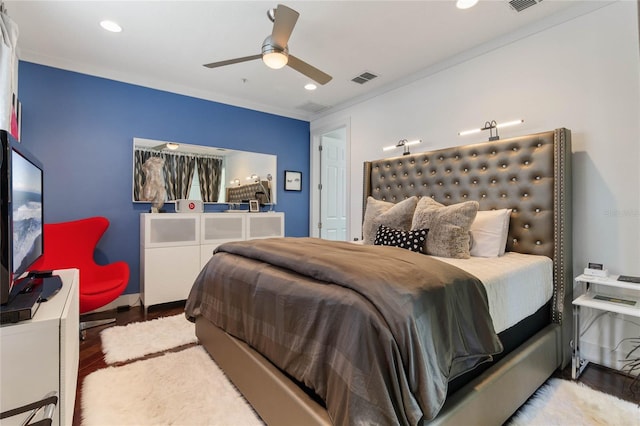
point(491, 125)
point(403, 143)
point(265, 192)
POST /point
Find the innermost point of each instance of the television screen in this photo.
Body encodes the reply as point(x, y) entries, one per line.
point(21, 218)
point(26, 207)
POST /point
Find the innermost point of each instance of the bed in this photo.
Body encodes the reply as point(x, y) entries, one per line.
point(531, 175)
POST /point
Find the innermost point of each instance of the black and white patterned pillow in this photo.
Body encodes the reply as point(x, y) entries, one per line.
point(411, 240)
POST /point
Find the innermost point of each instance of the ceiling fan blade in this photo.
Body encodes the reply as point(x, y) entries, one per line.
point(308, 70)
point(232, 61)
point(284, 20)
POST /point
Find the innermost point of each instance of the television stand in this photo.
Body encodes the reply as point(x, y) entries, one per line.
point(40, 355)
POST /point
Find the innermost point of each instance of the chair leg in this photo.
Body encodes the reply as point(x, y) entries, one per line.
point(96, 323)
point(84, 325)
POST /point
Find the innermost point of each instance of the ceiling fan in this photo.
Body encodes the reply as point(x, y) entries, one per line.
point(275, 52)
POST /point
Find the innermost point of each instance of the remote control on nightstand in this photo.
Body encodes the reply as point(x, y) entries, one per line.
point(629, 279)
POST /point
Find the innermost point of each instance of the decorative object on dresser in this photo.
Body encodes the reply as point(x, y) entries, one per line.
point(189, 206)
point(292, 180)
point(154, 186)
point(174, 247)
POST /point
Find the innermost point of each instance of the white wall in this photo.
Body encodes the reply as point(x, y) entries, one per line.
point(583, 74)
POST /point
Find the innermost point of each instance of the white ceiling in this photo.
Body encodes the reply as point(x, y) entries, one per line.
point(164, 44)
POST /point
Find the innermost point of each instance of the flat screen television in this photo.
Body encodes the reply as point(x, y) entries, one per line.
point(21, 230)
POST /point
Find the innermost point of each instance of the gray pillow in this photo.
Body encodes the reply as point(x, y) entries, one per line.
point(398, 216)
point(448, 226)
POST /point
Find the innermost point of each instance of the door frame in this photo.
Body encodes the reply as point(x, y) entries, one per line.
point(314, 196)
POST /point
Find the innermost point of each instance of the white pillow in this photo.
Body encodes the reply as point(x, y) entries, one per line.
point(489, 233)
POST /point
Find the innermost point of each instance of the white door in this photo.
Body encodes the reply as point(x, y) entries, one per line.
point(329, 173)
point(333, 178)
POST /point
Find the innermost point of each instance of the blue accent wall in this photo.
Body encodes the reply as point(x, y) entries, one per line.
point(82, 128)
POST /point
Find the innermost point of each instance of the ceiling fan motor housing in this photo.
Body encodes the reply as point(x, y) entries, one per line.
point(269, 47)
point(273, 55)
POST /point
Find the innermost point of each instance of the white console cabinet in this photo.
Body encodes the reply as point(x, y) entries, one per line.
point(174, 247)
point(40, 355)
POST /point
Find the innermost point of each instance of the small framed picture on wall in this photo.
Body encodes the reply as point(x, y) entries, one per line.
point(292, 180)
point(254, 206)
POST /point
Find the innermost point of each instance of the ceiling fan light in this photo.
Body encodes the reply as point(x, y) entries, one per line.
point(275, 60)
point(466, 4)
point(111, 26)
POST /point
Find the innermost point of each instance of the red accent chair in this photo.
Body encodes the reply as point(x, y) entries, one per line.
point(71, 245)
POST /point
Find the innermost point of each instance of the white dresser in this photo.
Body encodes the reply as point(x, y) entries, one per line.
point(174, 247)
point(40, 355)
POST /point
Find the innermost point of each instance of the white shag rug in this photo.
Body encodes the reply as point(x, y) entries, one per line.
point(135, 340)
point(562, 402)
point(177, 388)
point(188, 388)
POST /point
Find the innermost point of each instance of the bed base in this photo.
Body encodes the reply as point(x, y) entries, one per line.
point(277, 399)
point(489, 399)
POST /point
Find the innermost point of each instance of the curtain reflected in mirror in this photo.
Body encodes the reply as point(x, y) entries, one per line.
point(209, 175)
point(178, 174)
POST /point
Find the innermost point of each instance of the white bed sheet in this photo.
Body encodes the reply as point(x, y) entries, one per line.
point(517, 284)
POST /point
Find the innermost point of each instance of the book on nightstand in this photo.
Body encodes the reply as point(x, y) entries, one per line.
point(614, 300)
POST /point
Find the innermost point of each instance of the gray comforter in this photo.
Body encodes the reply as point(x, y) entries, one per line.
point(376, 332)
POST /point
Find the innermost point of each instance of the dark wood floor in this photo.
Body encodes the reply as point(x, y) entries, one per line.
point(91, 358)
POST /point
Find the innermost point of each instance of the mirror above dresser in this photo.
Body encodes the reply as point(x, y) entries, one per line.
point(209, 174)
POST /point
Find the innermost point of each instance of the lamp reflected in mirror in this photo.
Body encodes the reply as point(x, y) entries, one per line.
point(168, 145)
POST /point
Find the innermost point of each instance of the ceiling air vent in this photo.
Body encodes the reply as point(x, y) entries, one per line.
point(312, 107)
point(520, 5)
point(364, 77)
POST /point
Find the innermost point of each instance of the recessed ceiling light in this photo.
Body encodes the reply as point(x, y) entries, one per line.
point(310, 86)
point(111, 26)
point(465, 4)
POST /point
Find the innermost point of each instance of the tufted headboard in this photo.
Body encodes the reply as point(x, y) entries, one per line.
point(529, 174)
point(243, 193)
